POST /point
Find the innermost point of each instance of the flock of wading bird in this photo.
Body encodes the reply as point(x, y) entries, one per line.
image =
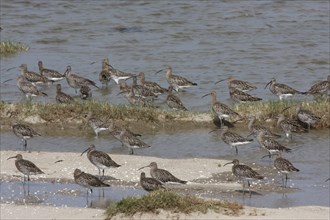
point(142, 95)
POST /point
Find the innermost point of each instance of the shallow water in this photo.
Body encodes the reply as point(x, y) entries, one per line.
point(63, 194)
point(203, 41)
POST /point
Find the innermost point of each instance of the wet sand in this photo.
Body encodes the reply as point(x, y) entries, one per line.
point(9, 211)
point(192, 170)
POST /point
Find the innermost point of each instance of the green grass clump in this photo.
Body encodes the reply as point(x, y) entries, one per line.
point(170, 201)
point(10, 48)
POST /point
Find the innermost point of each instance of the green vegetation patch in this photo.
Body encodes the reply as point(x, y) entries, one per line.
point(74, 113)
point(8, 48)
point(170, 201)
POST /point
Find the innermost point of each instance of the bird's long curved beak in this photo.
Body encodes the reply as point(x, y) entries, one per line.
point(84, 151)
point(159, 71)
point(11, 157)
point(6, 81)
point(206, 95)
point(227, 163)
point(219, 81)
point(268, 84)
point(143, 167)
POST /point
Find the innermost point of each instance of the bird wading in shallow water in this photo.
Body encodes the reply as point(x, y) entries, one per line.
point(50, 74)
point(284, 167)
point(24, 132)
point(238, 84)
point(244, 173)
point(233, 139)
point(177, 82)
point(87, 180)
point(281, 90)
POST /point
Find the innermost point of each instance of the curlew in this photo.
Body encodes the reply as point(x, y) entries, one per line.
point(96, 124)
point(320, 87)
point(76, 81)
point(289, 126)
point(255, 129)
point(117, 75)
point(238, 84)
point(127, 138)
point(99, 159)
point(281, 90)
point(26, 167)
point(87, 180)
point(104, 75)
point(150, 184)
point(233, 139)
point(240, 96)
point(284, 167)
point(173, 101)
point(24, 132)
point(62, 97)
point(28, 88)
point(50, 74)
point(176, 81)
point(222, 110)
point(152, 86)
point(270, 144)
point(33, 77)
point(244, 173)
point(306, 116)
point(162, 175)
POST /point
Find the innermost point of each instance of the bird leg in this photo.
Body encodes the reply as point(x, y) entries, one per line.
point(131, 152)
point(243, 188)
point(236, 149)
point(25, 144)
point(103, 173)
point(249, 188)
point(28, 177)
point(286, 180)
point(221, 122)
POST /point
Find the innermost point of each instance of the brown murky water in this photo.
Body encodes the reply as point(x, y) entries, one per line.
point(204, 41)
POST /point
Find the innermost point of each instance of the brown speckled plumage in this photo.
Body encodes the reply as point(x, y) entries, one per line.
point(28, 88)
point(25, 166)
point(50, 74)
point(87, 180)
point(149, 184)
point(177, 82)
point(99, 159)
point(284, 167)
point(24, 132)
point(173, 101)
point(76, 81)
point(162, 175)
point(62, 97)
point(33, 77)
